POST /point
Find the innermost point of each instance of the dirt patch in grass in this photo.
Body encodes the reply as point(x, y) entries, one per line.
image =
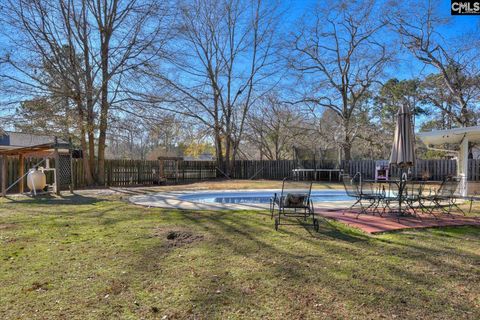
point(116, 287)
point(182, 238)
point(178, 237)
point(7, 226)
point(38, 286)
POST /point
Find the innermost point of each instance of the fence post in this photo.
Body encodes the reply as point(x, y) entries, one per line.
point(139, 174)
point(21, 166)
point(57, 167)
point(4, 175)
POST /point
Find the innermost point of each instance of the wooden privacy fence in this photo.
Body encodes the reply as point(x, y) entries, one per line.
point(122, 173)
point(143, 172)
point(273, 169)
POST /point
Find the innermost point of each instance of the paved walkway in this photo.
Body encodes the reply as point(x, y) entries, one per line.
point(376, 224)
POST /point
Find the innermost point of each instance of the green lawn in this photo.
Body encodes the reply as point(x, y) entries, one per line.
point(88, 257)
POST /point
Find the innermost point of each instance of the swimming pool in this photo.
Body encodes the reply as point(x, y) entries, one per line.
point(258, 196)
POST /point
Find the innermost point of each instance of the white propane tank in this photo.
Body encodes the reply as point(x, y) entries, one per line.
point(36, 179)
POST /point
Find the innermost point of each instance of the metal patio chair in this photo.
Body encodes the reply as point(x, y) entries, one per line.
point(293, 203)
point(445, 197)
point(391, 194)
point(412, 196)
point(361, 192)
point(373, 193)
point(352, 189)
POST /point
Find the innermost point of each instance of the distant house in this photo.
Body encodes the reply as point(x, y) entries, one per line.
point(202, 157)
point(164, 152)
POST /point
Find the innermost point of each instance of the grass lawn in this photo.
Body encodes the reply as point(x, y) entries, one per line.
point(93, 256)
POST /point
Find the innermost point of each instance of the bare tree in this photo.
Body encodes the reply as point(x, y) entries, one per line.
point(44, 63)
point(454, 59)
point(338, 55)
point(130, 36)
point(91, 47)
point(222, 62)
point(275, 127)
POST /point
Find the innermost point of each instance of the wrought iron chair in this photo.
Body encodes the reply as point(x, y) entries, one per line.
point(445, 197)
point(361, 192)
point(391, 194)
point(352, 187)
point(412, 196)
point(373, 193)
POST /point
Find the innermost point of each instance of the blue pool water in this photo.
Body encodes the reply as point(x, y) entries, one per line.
point(259, 196)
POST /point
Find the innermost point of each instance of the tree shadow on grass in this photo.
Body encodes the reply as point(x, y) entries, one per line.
point(296, 255)
point(71, 199)
point(291, 265)
point(328, 228)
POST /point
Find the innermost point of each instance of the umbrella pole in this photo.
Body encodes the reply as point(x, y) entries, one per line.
point(402, 186)
point(400, 193)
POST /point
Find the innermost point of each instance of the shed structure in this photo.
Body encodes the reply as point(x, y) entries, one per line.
point(23, 145)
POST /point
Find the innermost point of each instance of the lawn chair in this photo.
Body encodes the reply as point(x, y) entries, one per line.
point(293, 203)
point(475, 197)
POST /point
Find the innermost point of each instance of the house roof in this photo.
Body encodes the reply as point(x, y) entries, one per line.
point(452, 136)
point(18, 142)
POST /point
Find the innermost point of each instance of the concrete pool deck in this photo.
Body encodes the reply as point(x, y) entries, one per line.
point(173, 200)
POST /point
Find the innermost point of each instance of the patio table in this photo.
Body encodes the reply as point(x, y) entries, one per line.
point(401, 185)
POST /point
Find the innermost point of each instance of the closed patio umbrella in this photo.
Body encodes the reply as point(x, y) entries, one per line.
point(403, 149)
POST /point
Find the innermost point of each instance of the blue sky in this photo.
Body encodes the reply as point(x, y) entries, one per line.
point(459, 23)
point(407, 67)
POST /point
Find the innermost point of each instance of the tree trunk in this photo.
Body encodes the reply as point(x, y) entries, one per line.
point(91, 148)
point(88, 90)
point(347, 142)
point(101, 144)
point(228, 150)
point(347, 151)
point(86, 165)
point(347, 148)
point(104, 107)
point(219, 149)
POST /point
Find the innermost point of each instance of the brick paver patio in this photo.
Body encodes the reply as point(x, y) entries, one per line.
point(375, 224)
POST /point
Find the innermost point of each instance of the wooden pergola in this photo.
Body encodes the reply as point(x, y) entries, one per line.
point(53, 148)
point(461, 137)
